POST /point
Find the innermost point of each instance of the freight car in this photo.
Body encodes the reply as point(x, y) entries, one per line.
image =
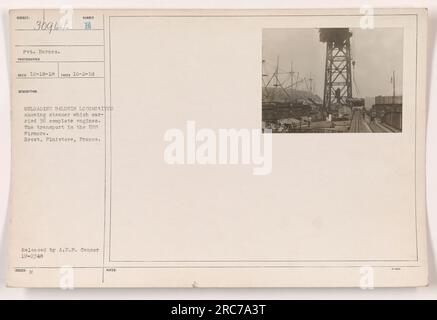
point(388, 100)
point(393, 119)
point(388, 109)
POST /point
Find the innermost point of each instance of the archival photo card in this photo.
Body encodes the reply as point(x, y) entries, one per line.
point(154, 148)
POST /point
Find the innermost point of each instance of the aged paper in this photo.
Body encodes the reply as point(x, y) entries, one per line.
point(224, 148)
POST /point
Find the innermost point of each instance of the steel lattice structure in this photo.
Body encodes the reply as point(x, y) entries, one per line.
point(338, 67)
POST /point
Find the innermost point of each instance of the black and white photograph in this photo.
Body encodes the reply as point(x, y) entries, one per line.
point(332, 80)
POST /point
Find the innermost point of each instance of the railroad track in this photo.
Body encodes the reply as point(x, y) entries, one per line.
point(376, 127)
point(357, 123)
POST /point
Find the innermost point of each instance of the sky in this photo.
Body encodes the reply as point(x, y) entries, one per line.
point(377, 53)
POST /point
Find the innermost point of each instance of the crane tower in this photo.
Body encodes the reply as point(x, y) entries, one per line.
point(338, 66)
